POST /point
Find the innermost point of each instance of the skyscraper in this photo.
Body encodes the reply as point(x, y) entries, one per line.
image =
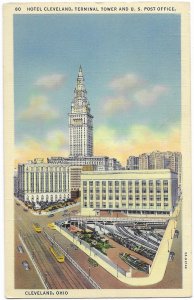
point(80, 122)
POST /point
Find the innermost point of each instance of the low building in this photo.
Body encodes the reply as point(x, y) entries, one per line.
point(130, 192)
point(100, 163)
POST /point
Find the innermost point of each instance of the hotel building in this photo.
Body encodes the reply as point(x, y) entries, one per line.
point(39, 181)
point(131, 192)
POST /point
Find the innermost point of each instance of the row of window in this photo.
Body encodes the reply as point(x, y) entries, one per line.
point(124, 183)
point(124, 191)
point(124, 205)
point(130, 197)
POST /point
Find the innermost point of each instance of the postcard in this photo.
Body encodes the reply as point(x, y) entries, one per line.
point(97, 150)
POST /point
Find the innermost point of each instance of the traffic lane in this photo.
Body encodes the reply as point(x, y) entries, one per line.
point(25, 227)
point(58, 275)
point(26, 279)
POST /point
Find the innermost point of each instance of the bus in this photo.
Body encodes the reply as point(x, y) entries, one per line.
point(57, 254)
point(37, 227)
point(52, 226)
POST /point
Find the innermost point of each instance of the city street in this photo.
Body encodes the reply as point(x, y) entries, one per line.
point(65, 275)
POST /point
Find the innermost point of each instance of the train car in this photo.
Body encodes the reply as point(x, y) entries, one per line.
point(60, 257)
point(36, 227)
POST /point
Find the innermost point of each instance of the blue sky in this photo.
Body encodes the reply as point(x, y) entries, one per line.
point(131, 65)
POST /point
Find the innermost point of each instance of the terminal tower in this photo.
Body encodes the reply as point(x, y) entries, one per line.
point(80, 122)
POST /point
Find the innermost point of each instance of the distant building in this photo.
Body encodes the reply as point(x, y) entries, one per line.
point(157, 160)
point(131, 192)
point(133, 163)
point(100, 163)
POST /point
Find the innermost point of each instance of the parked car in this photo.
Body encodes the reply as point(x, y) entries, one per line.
point(20, 249)
point(25, 265)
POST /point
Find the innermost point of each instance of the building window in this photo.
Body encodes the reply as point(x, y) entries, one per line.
point(143, 190)
point(130, 197)
point(104, 197)
point(116, 183)
point(136, 182)
point(144, 198)
point(165, 198)
point(91, 183)
point(136, 197)
point(130, 183)
point(165, 204)
point(150, 182)
point(103, 182)
point(97, 183)
point(85, 204)
point(137, 191)
point(123, 197)
point(110, 183)
point(116, 197)
point(158, 198)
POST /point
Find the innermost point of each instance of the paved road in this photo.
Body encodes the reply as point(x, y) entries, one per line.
point(57, 275)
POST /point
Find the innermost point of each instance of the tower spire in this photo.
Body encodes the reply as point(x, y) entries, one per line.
point(80, 73)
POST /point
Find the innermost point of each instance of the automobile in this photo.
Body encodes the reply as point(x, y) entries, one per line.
point(25, 209)
point(17, 203)
point(51, 215)
point(25, 265)
point(20, 249)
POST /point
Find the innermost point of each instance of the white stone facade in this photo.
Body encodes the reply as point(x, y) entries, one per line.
point(147, 192)
point(43, 182)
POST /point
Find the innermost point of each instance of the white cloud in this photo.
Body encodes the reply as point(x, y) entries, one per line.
point(39, 109)
point(117, 104)
point(51, 82)
point(55, 143)
point(126, 82)
point(149, 96)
